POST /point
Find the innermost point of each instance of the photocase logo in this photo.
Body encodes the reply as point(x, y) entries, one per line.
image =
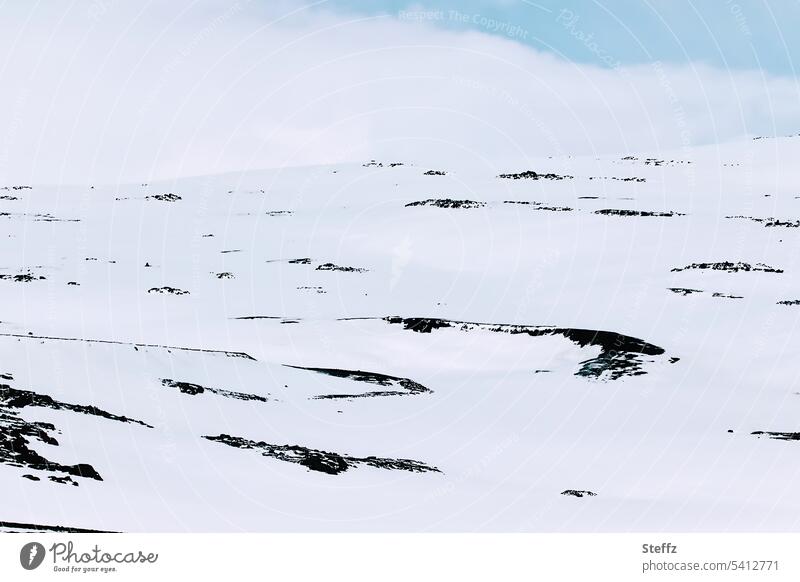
point(31, 555)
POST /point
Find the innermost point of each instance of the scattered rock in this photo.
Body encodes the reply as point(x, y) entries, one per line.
point(170, 290)
point(531, 175)
point(406, 387)
point(374, 164)
point(578, 493)
point(782, 436)
point(321, 461)
point(620, 355)
point(169, 197)
point(195, 389)
point(22, 278)
point(16, 432)
point(730, 267)
point(616, 212)
point(769, 222)
point(447, 203)
point(684, 291)
point(32, 527)
point(539, 205)
point(332, 267)
point(628, 179)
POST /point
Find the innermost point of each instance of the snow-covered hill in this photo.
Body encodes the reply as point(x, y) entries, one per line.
point(585, 344)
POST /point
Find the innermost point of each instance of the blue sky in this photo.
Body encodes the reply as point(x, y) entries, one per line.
point(737, 34)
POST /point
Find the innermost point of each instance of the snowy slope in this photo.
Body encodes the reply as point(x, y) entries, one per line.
point(380, 347)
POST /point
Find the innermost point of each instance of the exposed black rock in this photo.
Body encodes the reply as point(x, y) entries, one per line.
point(620, 355)
point(169, 197)
point(531, 175)
point(578, 493)
point(782, 436)
point(789, 302)
point(421, 324)
point(170, 290)
point(730, 267)
point(332, 267)
point(684, 291)
point(315, 289)
point(769, 222)
point(407, 387)
point(16, 433)
point(616, 212)
point(321, 461)
point(13, 398)
point(726, 296)
point(224, 275)
point(31, 527)
point(64, 480)
point(22, 277)
point(783, 223)
point(435, 173)
point(303, 261)
point(447, 203)
point(195, 389)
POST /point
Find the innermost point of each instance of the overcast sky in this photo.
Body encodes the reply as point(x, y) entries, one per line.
point(122, 91)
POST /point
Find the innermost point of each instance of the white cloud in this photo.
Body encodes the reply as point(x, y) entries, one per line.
point(113, 91)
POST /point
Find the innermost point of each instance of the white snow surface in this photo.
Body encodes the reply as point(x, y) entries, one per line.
point(509, 422)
